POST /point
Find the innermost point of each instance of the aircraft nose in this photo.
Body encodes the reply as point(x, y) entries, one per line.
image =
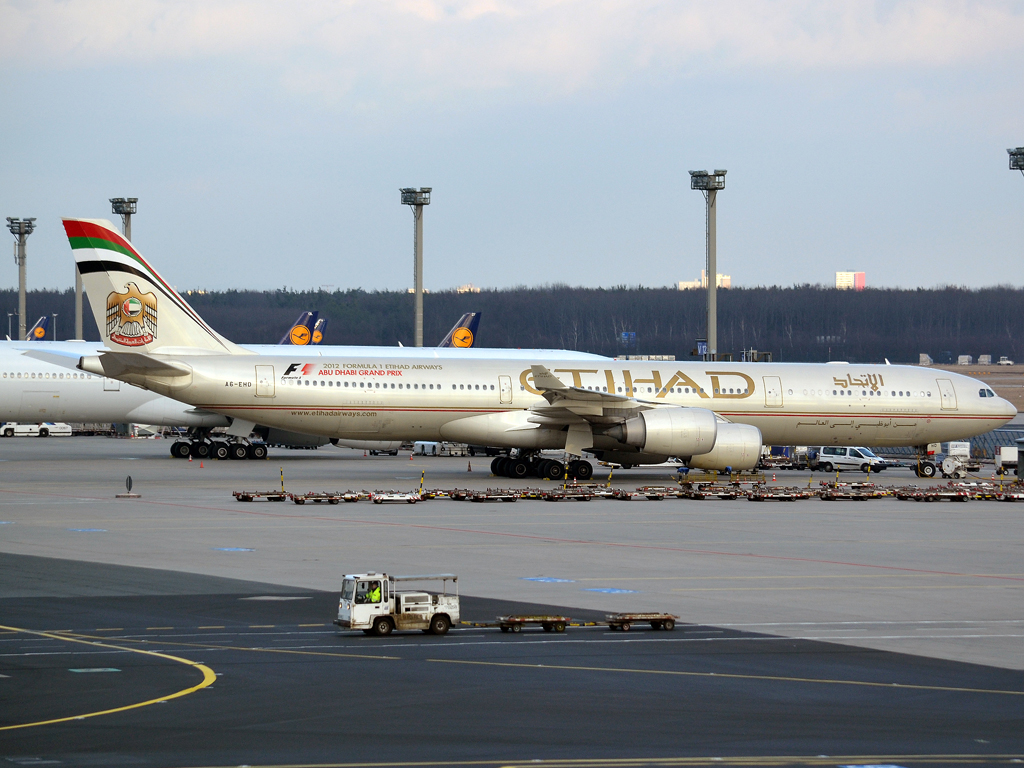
point(1006, 408)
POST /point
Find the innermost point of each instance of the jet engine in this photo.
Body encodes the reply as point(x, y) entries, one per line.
point(670, 431)
point(738, 446)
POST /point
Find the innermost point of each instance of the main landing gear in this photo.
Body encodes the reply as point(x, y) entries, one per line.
point(535, 466)
point(202, 446)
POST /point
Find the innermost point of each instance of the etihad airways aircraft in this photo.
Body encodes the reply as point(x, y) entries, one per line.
point(710, 415)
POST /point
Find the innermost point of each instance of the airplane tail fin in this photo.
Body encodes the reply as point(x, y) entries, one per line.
point(301, 333)
point(319, 329)
point(38, 331)
point(464, 332)
point(134, 307)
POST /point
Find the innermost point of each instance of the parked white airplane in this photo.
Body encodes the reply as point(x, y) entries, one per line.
point(711, 415)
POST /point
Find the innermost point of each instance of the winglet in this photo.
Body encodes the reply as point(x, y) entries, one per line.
point(543, 379)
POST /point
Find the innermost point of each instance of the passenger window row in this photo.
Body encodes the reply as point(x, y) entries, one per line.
point(15, 375)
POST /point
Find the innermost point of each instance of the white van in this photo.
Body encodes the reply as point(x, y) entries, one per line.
point(832, 458)
point(47, 429)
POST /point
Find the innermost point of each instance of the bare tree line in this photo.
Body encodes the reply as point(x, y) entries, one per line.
point(800, 323)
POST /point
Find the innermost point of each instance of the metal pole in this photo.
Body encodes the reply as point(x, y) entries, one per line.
point(22, 328)
point(128, 227)
point(78, 305)
point(417, 270)
point(54, 315)
point(712, 275)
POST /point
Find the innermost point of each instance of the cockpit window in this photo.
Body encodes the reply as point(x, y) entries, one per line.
point(990, 393)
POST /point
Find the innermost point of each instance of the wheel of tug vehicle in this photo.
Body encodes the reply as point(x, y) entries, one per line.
point(927, 469)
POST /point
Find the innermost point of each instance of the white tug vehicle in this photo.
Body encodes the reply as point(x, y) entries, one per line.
point(370, 602)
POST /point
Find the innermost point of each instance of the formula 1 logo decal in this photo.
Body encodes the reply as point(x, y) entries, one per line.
point(131, 317)
point(463, 337)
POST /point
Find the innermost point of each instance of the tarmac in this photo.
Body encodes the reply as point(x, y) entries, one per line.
point(810, 633)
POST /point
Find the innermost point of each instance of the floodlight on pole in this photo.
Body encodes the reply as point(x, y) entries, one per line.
point(709, 184)
point(125, 207)
point(1016, 159)
point(21, 229)
point(416, 199)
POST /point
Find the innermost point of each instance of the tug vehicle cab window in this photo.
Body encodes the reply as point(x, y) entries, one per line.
point(367, 592)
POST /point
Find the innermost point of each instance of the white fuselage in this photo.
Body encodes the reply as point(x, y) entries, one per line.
point(393, 398)
point(34, 390)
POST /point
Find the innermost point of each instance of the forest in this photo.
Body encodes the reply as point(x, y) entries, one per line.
point(805, 323)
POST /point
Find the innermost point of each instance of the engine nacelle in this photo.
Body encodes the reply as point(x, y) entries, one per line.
point(738, 446)
point(670, 431)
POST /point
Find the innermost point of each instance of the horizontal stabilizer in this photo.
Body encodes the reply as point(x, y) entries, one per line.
point(119, 364)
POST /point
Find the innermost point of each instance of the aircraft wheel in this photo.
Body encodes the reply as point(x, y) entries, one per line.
point(518, 468)
point(181, 450)
point(200, 450)
point(237, 451)
point(581, 470)
point(496, 465)
point(258, 452)
point(220, 451)
point(502, 462)
point(555, 470)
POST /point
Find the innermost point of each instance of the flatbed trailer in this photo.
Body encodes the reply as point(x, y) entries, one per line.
point(394, 497)
point(623, 621)
point(516, 622)
point(268, 495)
point(494, 494)
point(779, 493)
point(318, 497)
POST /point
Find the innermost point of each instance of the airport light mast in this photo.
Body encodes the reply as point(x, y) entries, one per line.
point(21, 229)
point(416, 199)
point(1016, 159)
point(709, 184)
point(125, 207)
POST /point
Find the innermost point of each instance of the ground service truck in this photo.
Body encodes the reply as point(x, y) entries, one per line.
point(370, 602)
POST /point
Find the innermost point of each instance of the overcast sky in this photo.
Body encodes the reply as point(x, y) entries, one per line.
point(267, 141)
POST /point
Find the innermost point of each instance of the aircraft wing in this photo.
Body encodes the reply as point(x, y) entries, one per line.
point(568, 405)
point(118, 364)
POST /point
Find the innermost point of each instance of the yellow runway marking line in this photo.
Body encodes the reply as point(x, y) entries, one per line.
point(314, 625)
point(639, 762)
point(214, 626)
point(154, 628)
point(218, 647)
point(728, 676)
point(109, 629)
point(262, 626)
point(208, 678)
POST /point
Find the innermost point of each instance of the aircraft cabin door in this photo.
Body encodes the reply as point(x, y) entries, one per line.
point(264, 381)
point(505, 385)
point(772, 391)
point(947, 393)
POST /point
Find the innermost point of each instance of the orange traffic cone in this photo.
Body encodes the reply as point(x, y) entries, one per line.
point(364, 454)
point(200, 465)
point(469, 466)
point(773, 477)
point(410, 457)
point(190, 457)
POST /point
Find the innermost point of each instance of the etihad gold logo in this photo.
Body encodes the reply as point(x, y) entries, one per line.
point(728, 385)
point(131, 317)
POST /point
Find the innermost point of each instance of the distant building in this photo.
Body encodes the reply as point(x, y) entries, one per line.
point(846, 281)
point(467, 288)
point(722, 281)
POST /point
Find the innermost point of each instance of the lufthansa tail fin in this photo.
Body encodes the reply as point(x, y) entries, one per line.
point(464, 333)
point(319, 329)
point(301, 333)
point(38, 331)
point(135, 308)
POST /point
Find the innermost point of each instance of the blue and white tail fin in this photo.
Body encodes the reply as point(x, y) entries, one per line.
point(301, 333)
point(319, 330)
point(38, 331)
point(464, 332)
point(134, 307)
